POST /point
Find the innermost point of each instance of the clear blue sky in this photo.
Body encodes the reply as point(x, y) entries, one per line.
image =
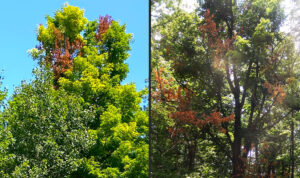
point(19, 21)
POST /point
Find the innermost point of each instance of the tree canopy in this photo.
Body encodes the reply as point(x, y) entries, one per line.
point(76, 119)
point(225, 83)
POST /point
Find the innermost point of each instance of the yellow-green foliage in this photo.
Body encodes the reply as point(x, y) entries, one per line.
point(91, 126)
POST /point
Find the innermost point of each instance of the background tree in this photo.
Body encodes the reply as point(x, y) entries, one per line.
point(5, 137)
point(48, 130)
point(186, 149)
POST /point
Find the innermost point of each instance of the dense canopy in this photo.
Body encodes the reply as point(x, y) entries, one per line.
point(75, 119)
point(225, 85)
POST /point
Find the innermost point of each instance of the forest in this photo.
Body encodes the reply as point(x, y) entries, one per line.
point(75, 118)
point(225, 87)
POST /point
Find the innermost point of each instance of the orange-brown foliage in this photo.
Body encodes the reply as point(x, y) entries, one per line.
point(276, 90)
point(62, 54)
point(184, 113)
point(212, 34)
point(104, 23)
point(163, 92)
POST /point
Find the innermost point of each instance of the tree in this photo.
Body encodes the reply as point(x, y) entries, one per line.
point(173, 112)
point(93, 126)
point(5, 137)
point(47, 130)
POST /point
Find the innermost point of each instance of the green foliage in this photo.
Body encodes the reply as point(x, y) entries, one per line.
point(87, 124)
point(116, 44)
point(6, 159)
point(47, 128)
point(234, 59)
point(69, 20)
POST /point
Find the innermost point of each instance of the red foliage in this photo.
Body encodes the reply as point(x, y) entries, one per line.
point(175, 131)
point(62, 54)
point(214, 41)
point(104, 23)
point(277, 91)
point(182, 97)
point(209, 29)
point(216, 119)
point(184, 114)
point(163, 92)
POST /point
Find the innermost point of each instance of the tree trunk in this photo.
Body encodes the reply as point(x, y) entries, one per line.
point(269, 171)
point(191, 156)
point(282, 168)
point(292, 149)
point(238, 163)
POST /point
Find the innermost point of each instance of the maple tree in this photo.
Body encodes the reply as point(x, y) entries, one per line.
point(76, 119)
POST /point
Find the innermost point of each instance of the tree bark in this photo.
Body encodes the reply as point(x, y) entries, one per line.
point(191, 156)
point(292, 149)
point(238, 163)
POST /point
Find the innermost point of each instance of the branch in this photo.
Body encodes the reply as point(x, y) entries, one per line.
point(277, 121)
point(171, 148)
point(261, 107)
point(221, 146)
point(228, 136)
point(236, 82)
point(268, 109)
point(232, 88)
point(246, 83)
point(253, 98)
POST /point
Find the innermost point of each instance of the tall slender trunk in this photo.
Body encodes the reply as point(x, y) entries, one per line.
point(292, 148)
point(282, 168)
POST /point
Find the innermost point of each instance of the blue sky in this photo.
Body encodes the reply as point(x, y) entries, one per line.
point(20, 19)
